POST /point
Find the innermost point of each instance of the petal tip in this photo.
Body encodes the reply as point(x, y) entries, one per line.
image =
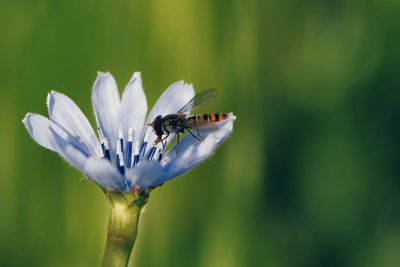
point(231, 116)
point(50, 96)
point(136, 78)
point(104, 81)
point(137, 74)
point(180, 82)
point(26, 117)
point(190, 85)
point(103, 74)
point(50, 100)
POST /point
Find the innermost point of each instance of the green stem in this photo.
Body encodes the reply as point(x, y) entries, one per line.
point(122, 227)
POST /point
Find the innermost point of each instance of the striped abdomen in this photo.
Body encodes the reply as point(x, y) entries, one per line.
point(205, 119)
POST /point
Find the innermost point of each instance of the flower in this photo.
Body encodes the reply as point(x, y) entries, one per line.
point(125, 157)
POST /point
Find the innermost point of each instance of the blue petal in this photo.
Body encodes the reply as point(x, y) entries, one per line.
point(64, 112)
point(99, 170)
point(192, 152)
point(38, 127)
point(134, 106)
point(145, 175)
point(107, 107)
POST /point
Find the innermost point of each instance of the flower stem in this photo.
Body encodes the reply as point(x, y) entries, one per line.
point(122, 227)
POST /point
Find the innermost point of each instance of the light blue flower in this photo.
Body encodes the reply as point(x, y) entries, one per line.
point(124, 157)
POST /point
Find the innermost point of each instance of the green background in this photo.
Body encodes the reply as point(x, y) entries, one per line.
point(310, 176)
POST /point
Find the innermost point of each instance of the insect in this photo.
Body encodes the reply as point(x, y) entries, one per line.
point(177, 123)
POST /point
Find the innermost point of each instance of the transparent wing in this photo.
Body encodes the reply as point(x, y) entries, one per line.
point(200, 99)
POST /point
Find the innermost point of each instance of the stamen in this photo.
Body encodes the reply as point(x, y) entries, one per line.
point(129, 149)
point(160, 154)
point(106, 151)
point(144, 144)
point(152, 152)
point(142, 149)
point(120, 164)
point(136, 157)
point(101, 137)
point(121, 139)
point(120, 159)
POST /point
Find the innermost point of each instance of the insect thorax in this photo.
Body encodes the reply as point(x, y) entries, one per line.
point(173, 123)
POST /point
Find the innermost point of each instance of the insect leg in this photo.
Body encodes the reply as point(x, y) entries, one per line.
point(198, 133)
point(198, 138)
point(158, 140)
point(162, 141)
point(177, 142)
point(165, 137)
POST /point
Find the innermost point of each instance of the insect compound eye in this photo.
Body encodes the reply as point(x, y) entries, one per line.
point(157, 123)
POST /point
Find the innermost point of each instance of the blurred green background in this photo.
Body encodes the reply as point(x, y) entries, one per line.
point(310, 176)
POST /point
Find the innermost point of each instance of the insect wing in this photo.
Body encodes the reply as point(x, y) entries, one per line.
point(200, 99)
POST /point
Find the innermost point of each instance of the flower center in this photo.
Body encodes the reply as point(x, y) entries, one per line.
point(129, 155)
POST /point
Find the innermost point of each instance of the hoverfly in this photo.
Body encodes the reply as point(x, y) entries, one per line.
point(177, 123)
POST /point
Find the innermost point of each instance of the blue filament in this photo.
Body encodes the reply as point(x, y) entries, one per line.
point(142, 149)
point(121, 142)
point(136, 160)
point(120, 167)
point(129, 155)
point(107, 154)
point(152, 152)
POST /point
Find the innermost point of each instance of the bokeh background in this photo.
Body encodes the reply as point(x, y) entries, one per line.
point(310, 177)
